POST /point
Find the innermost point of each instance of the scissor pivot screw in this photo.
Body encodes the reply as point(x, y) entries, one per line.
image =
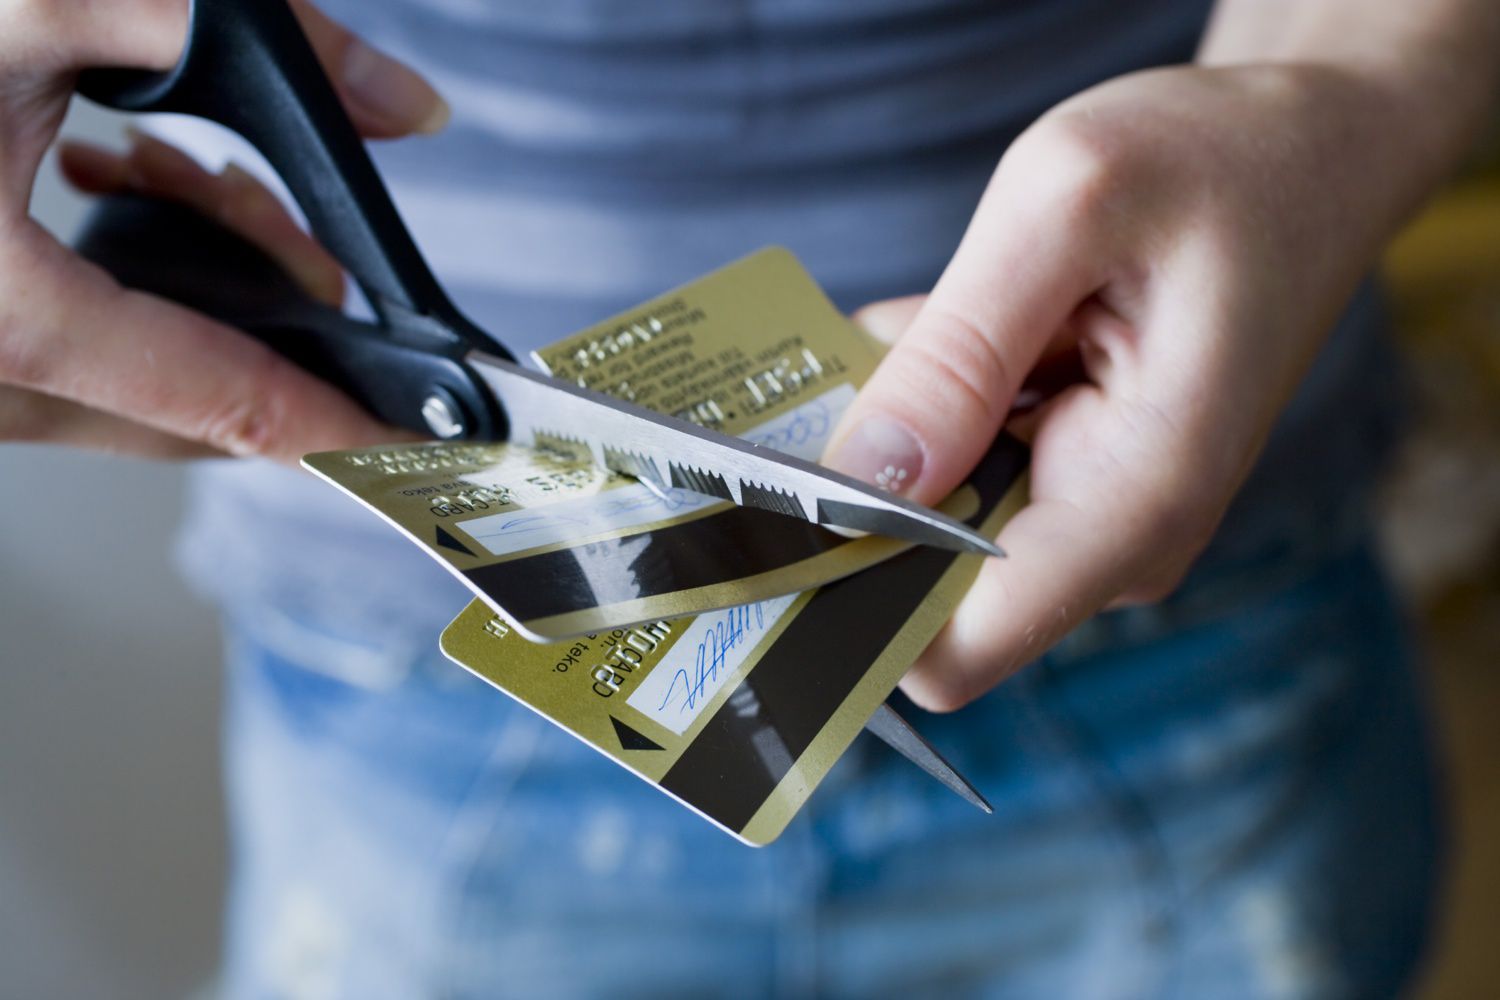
point(442, 415)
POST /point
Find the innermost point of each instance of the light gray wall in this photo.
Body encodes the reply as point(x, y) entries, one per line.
point(111, 841)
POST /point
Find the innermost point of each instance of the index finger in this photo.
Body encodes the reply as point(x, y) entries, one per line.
point(67, 329)
point(937, 399)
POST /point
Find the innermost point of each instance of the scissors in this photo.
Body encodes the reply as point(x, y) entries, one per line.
point(421, 364)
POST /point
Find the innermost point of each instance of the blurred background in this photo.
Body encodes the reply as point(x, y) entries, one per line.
point(111, 840)
point(1441, 529)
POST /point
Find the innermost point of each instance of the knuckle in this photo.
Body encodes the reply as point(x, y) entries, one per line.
point(960, 359)
point(29, 17)
point(249, 420)
point(241, 425)
point(1075, 167)
point(36, 311)
point(25, 359)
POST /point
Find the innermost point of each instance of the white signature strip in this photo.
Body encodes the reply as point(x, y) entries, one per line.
point(802, 431)
point(700, 663)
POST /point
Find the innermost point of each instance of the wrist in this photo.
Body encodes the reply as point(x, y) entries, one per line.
point(1430, 73)
point(1434, 104)
point(1371, 135)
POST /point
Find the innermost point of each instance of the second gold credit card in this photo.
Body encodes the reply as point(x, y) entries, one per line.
point(739, 714)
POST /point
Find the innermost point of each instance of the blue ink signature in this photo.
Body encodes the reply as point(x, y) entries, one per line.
point(809, 422)
point(729, 629)
point(674, 499)
point(538, 522)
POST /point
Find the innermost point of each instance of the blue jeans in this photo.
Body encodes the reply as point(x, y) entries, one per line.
point(1229, 795)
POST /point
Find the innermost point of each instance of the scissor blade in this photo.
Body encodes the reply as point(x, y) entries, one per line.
point(898, 734)
point(667, 453)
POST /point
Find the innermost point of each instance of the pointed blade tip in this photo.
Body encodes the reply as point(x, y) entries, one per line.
point(961, 787)
point(968, 542)
point(917, 526)
point(977, 544)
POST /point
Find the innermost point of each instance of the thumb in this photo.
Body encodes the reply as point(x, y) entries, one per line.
point(939, 397)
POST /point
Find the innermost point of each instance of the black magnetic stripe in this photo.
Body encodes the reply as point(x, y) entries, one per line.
point(733, 544)
point(753, 740)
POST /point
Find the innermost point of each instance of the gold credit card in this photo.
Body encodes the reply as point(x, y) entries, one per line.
point(560, 548)
point(739, 714)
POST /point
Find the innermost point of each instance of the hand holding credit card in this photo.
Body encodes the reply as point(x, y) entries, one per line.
point(560, 547)
point(740, 712)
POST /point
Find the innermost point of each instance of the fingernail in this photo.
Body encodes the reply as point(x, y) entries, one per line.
point(438, 118)
point(160, 165)
point(106, 168)
point(245, 192)
point(238, 176)
point(148, 144)
point(390, 91)
point(880, 450)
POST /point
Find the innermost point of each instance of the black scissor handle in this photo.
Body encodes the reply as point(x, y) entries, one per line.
point(247, 65)
point(171, 251)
